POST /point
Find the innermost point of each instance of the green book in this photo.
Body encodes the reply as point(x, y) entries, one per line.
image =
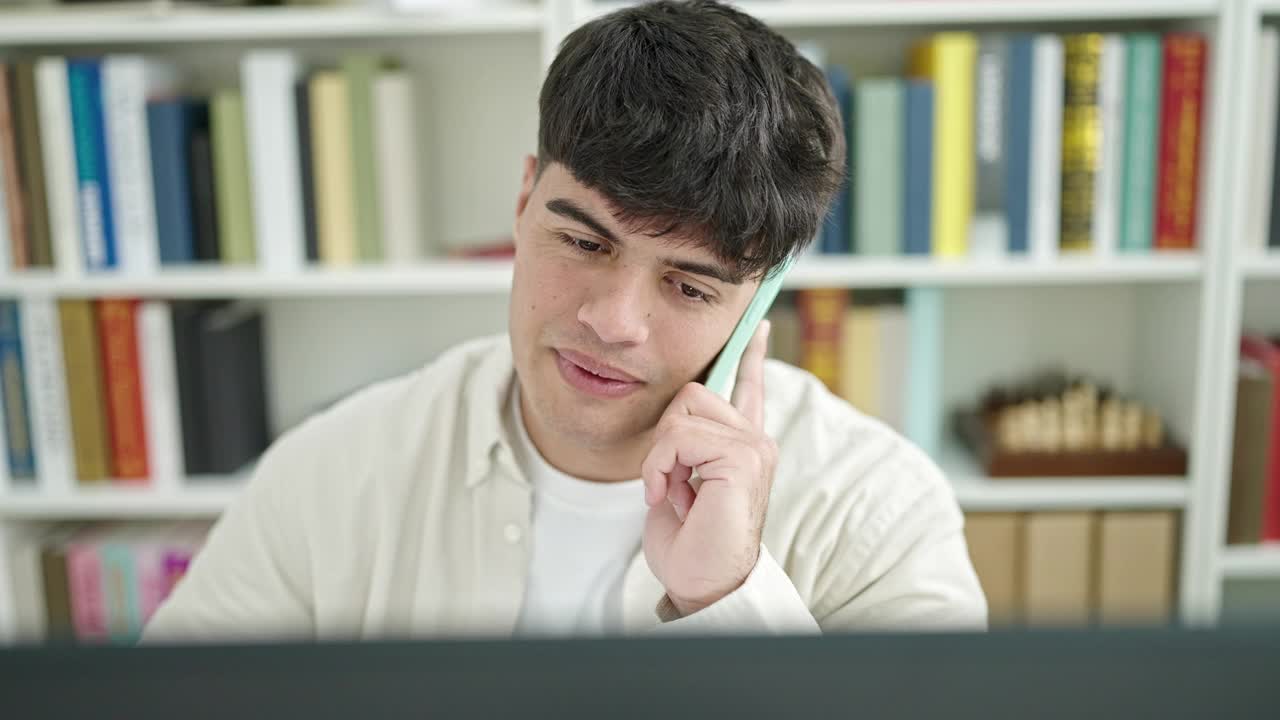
point(1141, 127)
point(360, 71)
point(231, 178)
point(877, 182)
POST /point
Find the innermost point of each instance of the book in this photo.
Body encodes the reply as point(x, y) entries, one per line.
point(46, 386)
point(821, 318)
point(1178, 168)
point(1106, 189)
point(306, 169)
point(1143, 70)
point(30, 155)
point(21, 467)
point(204, 197)
point(234, 386)
point(268, 78)
point(859, 372)
point(169, 127)
point(1020, 97)
point(995, 549)
point(400, 188)
point(1081, 139)
point(784, 333)
point(236, 242)
point(835, 235)
point(85, 585)
point(6, 248)
point(895, 354)
point(1058, 569)
point(1255, 393)
point(1267, 356)
point(1136, 567)
point(917, 181)
point(59, 155)
point(359, 71)
point(948, 59)
point(86, 390)
point(97, 225)
point(159, 380)
point(331, 164)
point(878, 185)
point(1045, 187)
point(989, 228)
point(9, 168)
point(118, 329)
point(922, 414)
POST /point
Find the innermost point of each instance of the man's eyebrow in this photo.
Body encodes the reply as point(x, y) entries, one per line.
point(710, 270)
point(571, 210)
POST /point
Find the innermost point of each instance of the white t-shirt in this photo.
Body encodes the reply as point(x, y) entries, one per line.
point(584, 536)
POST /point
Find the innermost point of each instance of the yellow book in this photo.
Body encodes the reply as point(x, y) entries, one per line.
point(949, 60)
point(332, 168)
point(86, 392)
point(995, 549)
point(860, 359)
point(1058, 568)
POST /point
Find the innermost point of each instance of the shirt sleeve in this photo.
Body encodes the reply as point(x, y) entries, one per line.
point(251, 579)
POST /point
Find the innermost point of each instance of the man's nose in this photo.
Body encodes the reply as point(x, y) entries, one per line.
point(617, 309)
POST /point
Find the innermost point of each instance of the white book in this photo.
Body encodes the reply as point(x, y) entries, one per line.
point(1106, 189)
point(159, 375)
point(271, 123)
point(49, 408)
point(1262, 166)
point(127, 82)
point(894, 348)
point(396, 148)
point(1046, 147)
point(58, 149)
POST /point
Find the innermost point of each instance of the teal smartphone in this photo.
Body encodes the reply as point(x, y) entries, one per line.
point(724, 371)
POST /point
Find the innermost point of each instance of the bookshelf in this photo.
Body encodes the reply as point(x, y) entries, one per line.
point(1251, 562)
point(1162, 325)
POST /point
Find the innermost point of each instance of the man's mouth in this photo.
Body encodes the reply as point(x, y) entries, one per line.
point(591, 377)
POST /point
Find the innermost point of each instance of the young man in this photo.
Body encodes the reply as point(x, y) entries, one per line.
point(539, 482)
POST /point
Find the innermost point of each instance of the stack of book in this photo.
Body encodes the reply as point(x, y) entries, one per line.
point(128, 392)
point(105, 164)
point(1033, 145)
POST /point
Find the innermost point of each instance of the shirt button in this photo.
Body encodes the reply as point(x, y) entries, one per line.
point(512, 533)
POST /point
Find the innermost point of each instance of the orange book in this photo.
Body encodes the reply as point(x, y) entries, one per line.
point(1178, 171)
point(117, 325)
point(821, 320)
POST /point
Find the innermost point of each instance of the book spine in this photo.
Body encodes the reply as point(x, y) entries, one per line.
point(84, 79)
point(989, 230)
point(47, 394)
point(6, 244)
point(1106, 198)
point(152, 586)
point(878, 126)
point(821, 318)
point(167, 129)
point(923, 419)
point(14, 209)
point(268, 78)
point(306, 167)
point(59, 164)
point(231, 179)
point(117, 324)
point(88, 604)
point(1018, 142)
point(360, 70)
point(160, 393)
point(331, 154)
point(127, 79)
point(835, 234)
point(917, 211)
point(953, 163)
point(204, 201)
point(1181, 104)
point(1046, 144)
point(1080, 139)
point(395, 141)
point(1267, 89)
point(1141, 133)
point(86, 390)
point(13, 391)
point(859, 372)
point(30, 148)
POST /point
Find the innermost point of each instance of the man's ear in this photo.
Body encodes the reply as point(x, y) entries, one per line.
point(526, 189)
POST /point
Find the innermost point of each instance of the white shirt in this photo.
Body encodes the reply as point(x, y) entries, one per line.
point(584, 536)
point(402, 512)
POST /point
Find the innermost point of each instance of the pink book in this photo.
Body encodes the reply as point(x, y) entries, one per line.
point(1268, 355)
point(153, 581)
point(84, 582)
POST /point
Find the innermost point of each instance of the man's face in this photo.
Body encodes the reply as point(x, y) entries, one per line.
point(608, 323)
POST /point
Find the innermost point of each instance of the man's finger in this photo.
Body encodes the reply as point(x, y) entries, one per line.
point(697, 400)
point(748, 389)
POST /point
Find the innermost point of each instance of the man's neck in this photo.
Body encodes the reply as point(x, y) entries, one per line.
point(609, 463)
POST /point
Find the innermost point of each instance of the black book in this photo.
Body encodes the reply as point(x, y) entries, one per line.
point(235, 389)
point(302, 101)
point(203, 199)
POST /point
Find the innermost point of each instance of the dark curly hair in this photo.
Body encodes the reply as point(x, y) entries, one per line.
point(696, 118)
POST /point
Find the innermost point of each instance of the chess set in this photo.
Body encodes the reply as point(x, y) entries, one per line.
point(1054, 425)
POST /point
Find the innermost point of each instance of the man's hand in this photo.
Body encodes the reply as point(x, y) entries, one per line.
point(702, 542)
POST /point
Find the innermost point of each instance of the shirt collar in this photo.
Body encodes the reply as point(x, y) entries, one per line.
point(488, 385)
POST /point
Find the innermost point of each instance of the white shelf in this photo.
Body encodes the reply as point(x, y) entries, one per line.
point(1250, 561)
point(451, 277)
point(1261, 266)
point(139, 24)
point(207, 498)
point(977, 492)
point(785, 13)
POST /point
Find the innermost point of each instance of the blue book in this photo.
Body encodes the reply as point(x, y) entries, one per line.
point(13, 396)
point(1018, 142)
point(917, 176)
point(84, 78)
point(836, 236)
point(169, 127)
point(923, 413)
point(120, 591)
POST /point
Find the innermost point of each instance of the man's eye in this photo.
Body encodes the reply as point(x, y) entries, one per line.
point(692, 292)
point(584, 245)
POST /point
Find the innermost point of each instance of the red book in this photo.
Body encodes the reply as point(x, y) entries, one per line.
point(1178, 168)
point(117, 327)
point(1268, 356)
point(821, 314)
